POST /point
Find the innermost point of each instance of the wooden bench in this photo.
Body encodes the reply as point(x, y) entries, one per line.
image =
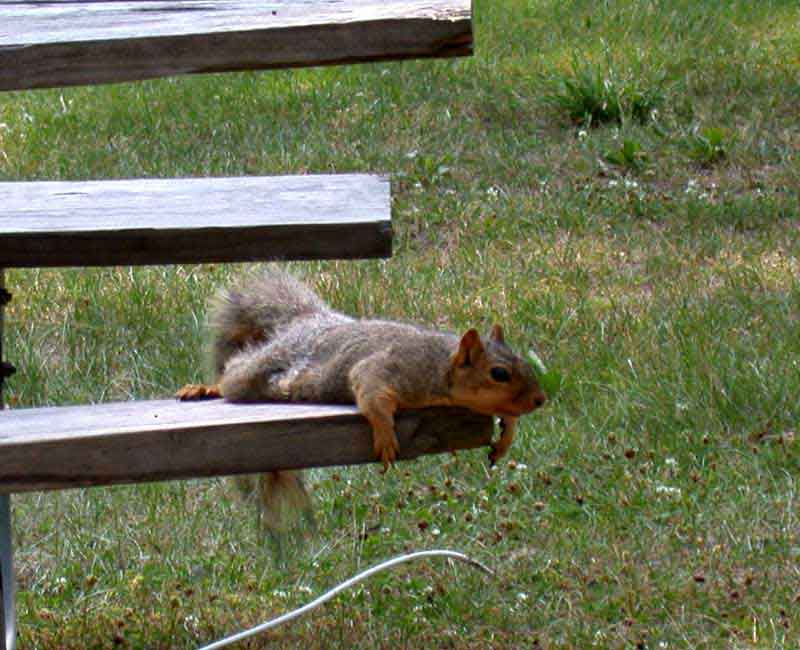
point(51, 224)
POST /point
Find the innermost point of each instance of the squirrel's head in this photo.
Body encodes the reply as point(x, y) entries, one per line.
point(486, 376)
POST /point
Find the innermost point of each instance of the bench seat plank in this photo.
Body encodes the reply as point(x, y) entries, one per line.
point(79, 42)
point(129, 442)
point(171, 221)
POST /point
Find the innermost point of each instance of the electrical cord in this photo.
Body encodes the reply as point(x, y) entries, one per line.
point(263, 627)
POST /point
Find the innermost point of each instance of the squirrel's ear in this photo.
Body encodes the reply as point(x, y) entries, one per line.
point(469, 348)
point(497, 334)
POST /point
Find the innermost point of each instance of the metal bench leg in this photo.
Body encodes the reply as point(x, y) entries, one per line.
point(8, 632)
point(8, 640)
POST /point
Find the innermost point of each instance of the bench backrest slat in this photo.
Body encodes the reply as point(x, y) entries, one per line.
point(170, 221)
point(78, 42)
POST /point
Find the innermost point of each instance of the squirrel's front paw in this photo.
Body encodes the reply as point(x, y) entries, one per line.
point(197, 392)
point(386, 448)
point(508, 429)
point(499, 449)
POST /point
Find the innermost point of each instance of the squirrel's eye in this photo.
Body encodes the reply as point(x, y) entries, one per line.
point(500, 374)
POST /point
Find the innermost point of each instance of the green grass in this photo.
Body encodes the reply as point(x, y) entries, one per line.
point(653, 262)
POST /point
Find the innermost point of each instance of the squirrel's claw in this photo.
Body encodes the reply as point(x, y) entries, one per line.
point(387, 451)
point(493, 455)
point(499, 449)
point(191, 392)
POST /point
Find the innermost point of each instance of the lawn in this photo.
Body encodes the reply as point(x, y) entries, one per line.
point(618, 184)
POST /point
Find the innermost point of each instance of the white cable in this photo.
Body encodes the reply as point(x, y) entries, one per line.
point(339, 588)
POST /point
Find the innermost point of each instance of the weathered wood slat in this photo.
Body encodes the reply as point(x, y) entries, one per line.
point(129, 442)
point(78, 42)
point(154, 221)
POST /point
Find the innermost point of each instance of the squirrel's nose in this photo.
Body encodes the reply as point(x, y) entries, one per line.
point(530, 401)
point(537, 397)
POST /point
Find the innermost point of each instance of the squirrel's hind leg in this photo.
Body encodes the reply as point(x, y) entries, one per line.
point(254, 375)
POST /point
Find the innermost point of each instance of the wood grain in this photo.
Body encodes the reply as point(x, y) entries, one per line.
point(129, 442)
point(154, 221)
point(71, 42)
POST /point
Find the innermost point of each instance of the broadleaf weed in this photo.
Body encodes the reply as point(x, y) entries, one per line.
point(709, 145)
point(629, 156)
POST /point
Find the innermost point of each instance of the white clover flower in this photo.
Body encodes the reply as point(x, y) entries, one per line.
point(668, 490)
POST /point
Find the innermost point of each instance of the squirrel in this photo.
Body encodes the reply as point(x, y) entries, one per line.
point(277, 340)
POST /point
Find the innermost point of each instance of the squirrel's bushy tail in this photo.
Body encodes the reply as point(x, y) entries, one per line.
point(247, 315)
point(285, 509)
point(252, 312)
